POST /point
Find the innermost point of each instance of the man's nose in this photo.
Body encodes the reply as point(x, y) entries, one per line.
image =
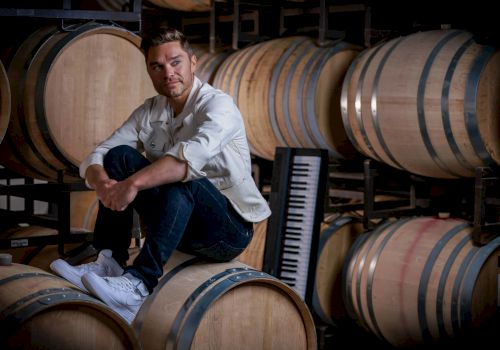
point(169, 70)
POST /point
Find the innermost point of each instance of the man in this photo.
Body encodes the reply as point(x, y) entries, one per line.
point(193, 189)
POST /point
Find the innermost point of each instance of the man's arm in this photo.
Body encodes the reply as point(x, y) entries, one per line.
point(96, 177)
point(165, 170)
point(118, 195)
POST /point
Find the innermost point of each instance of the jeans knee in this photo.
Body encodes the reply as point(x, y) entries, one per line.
point(115, 154)
point(122, 161)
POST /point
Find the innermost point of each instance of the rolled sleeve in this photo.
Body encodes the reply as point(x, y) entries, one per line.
point(194, 163)
point(93, 158)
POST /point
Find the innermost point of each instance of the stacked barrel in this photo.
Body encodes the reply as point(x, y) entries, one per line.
point(288, 91)
point(203, 305)
point(196, 305)
point(65, 99)
point(42, 311)
point(422, 280)
point(427, 103)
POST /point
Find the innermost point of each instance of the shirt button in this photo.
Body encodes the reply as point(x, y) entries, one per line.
point(153, 145)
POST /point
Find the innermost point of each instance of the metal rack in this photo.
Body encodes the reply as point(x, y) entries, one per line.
point(58, 197)
point(358, 188)
point(486, 205)
point(247, 20)
point(321, 10)
point(476, 200)
point(67, 11)
point(243, 19)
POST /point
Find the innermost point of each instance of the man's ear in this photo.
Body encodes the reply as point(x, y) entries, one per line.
point(194, 61)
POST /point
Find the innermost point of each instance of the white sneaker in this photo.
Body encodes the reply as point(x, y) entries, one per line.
point(105, 265)
point(124, 294)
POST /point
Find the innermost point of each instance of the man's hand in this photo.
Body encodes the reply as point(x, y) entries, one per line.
point(118, 195)
point(113, 194)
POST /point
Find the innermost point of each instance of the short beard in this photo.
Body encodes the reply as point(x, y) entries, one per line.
point(174, 93)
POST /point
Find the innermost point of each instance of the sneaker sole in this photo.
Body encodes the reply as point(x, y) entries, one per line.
point(93, 284)
point(60, 268)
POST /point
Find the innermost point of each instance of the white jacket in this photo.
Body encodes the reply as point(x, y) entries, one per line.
point(209, 135)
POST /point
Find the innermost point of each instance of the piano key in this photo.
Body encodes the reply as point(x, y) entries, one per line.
point(299, 221)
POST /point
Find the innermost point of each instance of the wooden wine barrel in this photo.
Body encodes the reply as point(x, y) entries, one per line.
point(288, 91)
point(336, 239)
point(422, 281)
point(83, 213)
point(253, 255)
point(39, 256)
point(202, 305)
point(68, 94)
point(428, 103)
point(208, 63)
point(4, 102)
point(20, 254)
point(83, 209)
point(43, 311)
point(184, 5)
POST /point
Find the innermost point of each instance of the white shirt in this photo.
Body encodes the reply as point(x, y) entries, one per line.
point(209, 134)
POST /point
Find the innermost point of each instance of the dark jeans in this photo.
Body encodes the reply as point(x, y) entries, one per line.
point(193, 217)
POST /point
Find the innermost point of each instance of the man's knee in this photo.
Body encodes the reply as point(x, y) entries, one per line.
point(117, 153)
point(122, 161)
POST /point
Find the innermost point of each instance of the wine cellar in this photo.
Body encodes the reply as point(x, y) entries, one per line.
point(374, 137)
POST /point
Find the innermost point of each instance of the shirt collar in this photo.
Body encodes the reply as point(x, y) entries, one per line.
point(168, 112)
point(194, 91)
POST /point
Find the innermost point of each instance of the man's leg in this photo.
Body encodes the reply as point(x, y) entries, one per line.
point(112, 232)
point(192, 216)
point(168, 210)
point(216, 231)
point(113, 229)
point(123, 293)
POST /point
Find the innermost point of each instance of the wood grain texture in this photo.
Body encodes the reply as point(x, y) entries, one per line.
point(288, 91)
point(253, 255)
point(207, 306)
point(422, 280)
point(60, 316)
point(70, 91)
point(427, 103)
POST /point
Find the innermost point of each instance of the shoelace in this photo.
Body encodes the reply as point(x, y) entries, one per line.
point(108, 269)
point(92, 266)
point(100, 265)
point(122, 283)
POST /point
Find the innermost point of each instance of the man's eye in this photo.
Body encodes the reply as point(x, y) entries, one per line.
point(175, 63)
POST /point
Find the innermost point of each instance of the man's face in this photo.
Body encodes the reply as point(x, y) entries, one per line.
point(171, 70)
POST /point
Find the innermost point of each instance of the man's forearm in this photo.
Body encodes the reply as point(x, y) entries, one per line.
point(96, 175)
point(163, 171)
